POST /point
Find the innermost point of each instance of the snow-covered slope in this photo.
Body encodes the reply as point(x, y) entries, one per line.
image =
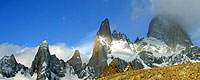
point(118, 49)
point(150, 52)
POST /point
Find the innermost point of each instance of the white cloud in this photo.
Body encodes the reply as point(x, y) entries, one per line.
point(185, 12)
point(85, 50)
point(62, 51)
point(25, 55)
point(85, 46)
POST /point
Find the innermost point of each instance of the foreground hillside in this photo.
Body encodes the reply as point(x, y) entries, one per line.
point(188, 71)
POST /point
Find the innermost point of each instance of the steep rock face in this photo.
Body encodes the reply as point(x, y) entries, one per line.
point(87, 73)
point(105, 31)
point(121, 37)
point(41, 63)
point(168, 31)
point(48, 66)
point(100, 50)
point(121, 63)
point(193, 53)
point(76, 62)
point(57, 67)
point(9, 67)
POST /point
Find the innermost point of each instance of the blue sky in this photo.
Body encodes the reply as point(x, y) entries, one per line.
point(72, 24)
point(29, 22)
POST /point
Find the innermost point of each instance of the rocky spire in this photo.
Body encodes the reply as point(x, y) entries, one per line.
point(119, 35)
point(76, 62)
point(44, 45)
point(137, 39)
point(100, 50)
point(9, 67)
point(47, 66)
point(104, 30)
point(115, 34)
point(41, 63)
point(169, 31)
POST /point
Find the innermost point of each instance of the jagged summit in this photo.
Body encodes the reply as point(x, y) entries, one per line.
point(115, 50)
point(44, 44)
point(137, 39)
point(102, 42)
point(47, 66)
point(119, 36)
point(41, 62)
point(76, 54)
point(168, 31)
point(76, 62)
point(9, 67)
point(105, 31)
point(12, 58)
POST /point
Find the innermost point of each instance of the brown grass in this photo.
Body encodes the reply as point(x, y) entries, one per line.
point(189, 71)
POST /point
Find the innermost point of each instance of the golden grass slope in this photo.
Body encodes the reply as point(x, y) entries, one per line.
point(188, 71)
point(111, 69)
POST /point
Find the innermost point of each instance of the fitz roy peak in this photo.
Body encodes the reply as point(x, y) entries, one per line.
point(165, 44)
point(168, 31)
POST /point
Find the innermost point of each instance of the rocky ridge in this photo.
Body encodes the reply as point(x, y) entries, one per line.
point(166, 44)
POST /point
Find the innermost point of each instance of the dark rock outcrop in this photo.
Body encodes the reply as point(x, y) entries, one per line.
point(121, 63)
point(9, 67)
point(76, 62)
point(41, 63)
point(105, 31)
point(137, 39)
point(130, 67)
point(137, 63)
point(121, 36)
point(147, 59)
point(47, 66)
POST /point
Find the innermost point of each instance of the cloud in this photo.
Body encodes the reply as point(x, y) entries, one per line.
point(85, 50)
point(186, 12)
point(25, 55)
point(85, 45)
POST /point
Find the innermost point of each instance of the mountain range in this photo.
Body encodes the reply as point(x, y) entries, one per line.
point(166, 44)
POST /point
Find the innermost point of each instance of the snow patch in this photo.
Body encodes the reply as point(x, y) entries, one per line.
point(118, 49)
point(19, 76)
point(151, 44)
